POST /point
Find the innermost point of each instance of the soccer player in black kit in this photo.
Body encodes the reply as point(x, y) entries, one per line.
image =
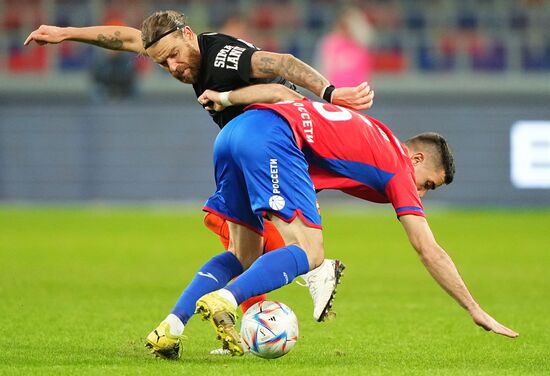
point(222, 63)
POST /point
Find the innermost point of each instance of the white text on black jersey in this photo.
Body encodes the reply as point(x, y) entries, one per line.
point(228, 57)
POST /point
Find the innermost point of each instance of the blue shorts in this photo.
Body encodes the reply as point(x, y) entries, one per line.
point(260, 169)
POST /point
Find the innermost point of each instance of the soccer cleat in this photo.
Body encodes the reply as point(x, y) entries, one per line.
point(220, 351)
point(162, 343)
point(322, 282)
point(225, 351)
point(223, 316)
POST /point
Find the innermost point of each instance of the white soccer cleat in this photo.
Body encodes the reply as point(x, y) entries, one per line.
point(225, 351)
point(322, 282)
point(220, 351)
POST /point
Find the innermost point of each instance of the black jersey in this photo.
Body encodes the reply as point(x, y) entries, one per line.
point(225, 65)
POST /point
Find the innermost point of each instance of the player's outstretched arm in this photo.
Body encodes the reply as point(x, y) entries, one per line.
point(444, 271)
point(270, 65)
point(261, 93)
point(120, 38)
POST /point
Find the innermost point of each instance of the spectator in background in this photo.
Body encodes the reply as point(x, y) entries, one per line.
point(113, 73)
point(237, 26)
point(343, 55)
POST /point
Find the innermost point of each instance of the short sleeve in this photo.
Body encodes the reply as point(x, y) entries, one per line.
point(229, 61)
point(401, 192)
point(245, 64)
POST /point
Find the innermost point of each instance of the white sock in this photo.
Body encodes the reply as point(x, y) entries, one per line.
point(176, 326)
point(226, 294)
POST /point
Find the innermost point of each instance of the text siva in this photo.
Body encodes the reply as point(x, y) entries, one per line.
point(228, 57)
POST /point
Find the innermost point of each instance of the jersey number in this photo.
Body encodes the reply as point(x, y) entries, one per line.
point(341, 115)
point(344, 114)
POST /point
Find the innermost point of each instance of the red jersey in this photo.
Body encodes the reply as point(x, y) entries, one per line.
point(352, 152)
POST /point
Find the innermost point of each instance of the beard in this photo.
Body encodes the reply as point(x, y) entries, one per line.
point(193, 66)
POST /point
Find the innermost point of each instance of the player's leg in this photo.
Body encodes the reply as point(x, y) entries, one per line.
point(277, 181)
point(269, 272)
point(219, 270)
point(291, 179)
point(216, 273)
point(218, 226)
point(272, 240)
point(231, 201)
point(279, 267)
point(322, 281)
point(245, 243)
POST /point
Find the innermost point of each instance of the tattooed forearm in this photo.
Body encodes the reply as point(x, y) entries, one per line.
point(302, 74)
point(271, 65)
point(112, 42)
point(267, 65)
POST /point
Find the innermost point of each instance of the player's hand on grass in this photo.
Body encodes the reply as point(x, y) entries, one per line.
point(359, 97)
point(46, 34)
point(211, 100)
point(488, 323)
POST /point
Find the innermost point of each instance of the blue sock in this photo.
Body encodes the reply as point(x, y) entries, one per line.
point(213, 275)
point(271, 271)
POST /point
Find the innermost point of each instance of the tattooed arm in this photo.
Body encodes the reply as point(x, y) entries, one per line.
point(120, 38)
point(269, 65)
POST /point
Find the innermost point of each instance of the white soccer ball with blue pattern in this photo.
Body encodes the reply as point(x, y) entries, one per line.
point(269, 329)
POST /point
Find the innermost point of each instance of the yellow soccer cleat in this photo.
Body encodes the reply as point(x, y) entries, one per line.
point(162, 343)
point(223, 316)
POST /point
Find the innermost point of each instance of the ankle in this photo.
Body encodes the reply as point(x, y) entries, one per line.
point(227, 295)
point(175, 324)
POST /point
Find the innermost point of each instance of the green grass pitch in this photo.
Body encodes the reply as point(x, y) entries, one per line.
point(80, 288)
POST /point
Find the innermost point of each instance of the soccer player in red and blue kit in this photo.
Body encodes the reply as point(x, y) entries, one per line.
point(218, 62)
point(377, 169)
point(268, 163)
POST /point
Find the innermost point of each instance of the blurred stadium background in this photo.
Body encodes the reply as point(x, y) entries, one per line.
point(477, 71)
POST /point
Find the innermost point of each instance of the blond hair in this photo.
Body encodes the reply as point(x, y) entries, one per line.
point(159, 24)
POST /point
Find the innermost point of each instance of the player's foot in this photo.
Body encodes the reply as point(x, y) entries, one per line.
point(221, 313)
point(162, 343)
point(220, 351)
point(225, 351)
point(322, 282)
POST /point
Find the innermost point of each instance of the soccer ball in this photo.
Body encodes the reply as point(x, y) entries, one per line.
point(269, 329)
